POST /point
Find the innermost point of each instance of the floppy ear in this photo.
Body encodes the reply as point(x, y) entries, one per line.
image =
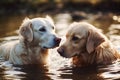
point(94, 40)
point(26, 30)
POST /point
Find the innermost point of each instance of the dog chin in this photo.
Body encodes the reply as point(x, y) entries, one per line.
point(46, 47)
point(70, 56)
point(75, 55)
point(65, 56)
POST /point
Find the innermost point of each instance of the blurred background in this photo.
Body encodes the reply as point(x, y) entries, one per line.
point(8, 7)
point(104, 14)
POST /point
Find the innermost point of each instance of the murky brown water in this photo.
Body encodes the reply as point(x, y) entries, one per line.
point(60, 68)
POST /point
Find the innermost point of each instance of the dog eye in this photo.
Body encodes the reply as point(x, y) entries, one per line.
point(52, 27)
point(42, 29)
point(74, 38)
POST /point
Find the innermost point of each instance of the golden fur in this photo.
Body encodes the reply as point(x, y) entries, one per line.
point(87, 45)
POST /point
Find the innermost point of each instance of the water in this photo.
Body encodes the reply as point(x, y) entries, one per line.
point(59, 68)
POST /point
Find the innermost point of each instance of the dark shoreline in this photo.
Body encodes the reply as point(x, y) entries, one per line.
point(54, 8)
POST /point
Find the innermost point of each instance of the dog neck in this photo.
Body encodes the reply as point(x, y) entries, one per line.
point(35, 53)
point(32, 48)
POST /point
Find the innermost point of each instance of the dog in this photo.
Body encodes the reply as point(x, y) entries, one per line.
point(36, 37)
point(87, 45)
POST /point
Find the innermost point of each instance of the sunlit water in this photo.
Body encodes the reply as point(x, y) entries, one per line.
point(59, 68)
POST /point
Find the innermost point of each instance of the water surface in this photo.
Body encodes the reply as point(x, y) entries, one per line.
point(60, 68)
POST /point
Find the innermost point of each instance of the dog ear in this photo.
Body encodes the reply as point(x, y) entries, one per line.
point(94, 40)
point(26, 30)
point(49, 19)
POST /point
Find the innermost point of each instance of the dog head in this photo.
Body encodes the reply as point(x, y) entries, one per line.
point(81, 38)
point(39, 32)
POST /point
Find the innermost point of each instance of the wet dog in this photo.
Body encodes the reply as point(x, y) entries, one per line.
point(87, 45)
point(36, 36)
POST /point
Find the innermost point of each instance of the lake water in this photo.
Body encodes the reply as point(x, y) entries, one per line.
point(60, 68)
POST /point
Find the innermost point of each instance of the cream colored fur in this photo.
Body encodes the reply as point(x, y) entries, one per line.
point(36, 36)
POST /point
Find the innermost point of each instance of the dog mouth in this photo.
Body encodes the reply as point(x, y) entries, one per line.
point(45, 47)
point(48, 47)
point(56, 44)
point(75, 55)
point(63, 53)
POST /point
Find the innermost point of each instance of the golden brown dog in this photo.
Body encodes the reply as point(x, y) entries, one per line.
point(87, 45)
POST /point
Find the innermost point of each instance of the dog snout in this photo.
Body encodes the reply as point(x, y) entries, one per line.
point(57, 41)
point(60, 51)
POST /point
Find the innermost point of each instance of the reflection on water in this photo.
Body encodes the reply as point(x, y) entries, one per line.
point(112, 71)
point(116, 18)
point(114, 34)
point(59, 68)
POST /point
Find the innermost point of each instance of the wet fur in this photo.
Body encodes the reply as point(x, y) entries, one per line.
point(33, 44)
point(91, 47)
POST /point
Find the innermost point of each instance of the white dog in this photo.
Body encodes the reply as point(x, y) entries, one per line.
point(36, 36)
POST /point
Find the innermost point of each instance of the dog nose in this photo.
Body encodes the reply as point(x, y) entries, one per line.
point(60, 51)
point(57, 41)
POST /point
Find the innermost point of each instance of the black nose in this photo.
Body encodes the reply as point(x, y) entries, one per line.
point(60, 51)
point(57, 41)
